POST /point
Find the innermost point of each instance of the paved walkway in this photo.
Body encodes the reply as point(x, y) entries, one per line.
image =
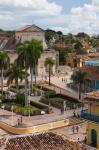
point(12, 118)
point(68, 133)
point(65, 91)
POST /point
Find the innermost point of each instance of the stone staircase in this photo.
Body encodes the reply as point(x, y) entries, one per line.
point(75, 121)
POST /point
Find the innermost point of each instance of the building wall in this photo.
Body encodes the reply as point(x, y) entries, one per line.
point(91, 126)
point(29, 34)
point(94, 109)
point(73, 61)
point(41, 64)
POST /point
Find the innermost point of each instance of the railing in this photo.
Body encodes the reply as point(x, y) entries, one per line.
point(90, 117)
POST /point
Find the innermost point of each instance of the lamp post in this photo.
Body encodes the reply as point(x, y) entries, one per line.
point(64, 106)
point(29, 98)
point(12, 113)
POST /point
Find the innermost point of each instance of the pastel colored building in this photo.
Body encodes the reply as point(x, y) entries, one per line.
point(92, 117)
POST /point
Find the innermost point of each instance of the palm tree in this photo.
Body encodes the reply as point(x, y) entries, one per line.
point(35, 53)
point(23, 62)
point(4, 63)
point(50, 62)
point(15, 74)
point(28, 55)
point(79, 78)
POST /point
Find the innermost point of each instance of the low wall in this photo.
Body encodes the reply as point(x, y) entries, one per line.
point(34, 129)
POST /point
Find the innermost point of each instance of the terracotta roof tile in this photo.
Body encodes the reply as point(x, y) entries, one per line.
point(27, 27)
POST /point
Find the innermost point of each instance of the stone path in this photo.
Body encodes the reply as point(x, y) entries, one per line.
point(68, 133)
point(11, 119)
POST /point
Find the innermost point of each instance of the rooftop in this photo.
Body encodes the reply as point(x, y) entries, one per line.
point(27, 27)
point(49, 141)
point(94, 93)
point(92, 72)
point(92, 97)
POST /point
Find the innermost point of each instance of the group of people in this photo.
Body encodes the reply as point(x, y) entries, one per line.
point(75, 128)
point(64, 80)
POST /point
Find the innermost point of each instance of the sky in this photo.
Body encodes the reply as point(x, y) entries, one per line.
point(68, 16)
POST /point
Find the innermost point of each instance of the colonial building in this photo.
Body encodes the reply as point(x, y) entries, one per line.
point(28, 32)
point(74, 60)
point(92, 116)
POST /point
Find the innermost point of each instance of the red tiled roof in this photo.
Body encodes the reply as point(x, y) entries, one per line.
point(27, 27)
point(45, 141)
point(94, 93)
point(92, 72)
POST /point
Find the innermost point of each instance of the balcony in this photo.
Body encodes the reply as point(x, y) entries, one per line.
point(89, 116)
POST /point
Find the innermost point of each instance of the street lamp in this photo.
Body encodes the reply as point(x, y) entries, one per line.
point(12, 113)
point(29, 98)
point(64, 106)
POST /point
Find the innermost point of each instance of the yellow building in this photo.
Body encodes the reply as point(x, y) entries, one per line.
point(92, 116)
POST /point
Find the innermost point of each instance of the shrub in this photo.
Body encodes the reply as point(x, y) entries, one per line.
point(39, 105)
point(20, 98)
point(26, 110)
point(58, 102)
point(49, 94)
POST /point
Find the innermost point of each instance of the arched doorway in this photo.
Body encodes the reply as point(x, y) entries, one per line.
point(94, 137)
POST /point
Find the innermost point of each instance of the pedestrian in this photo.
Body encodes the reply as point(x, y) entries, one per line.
point(85, 140)
point(18, 122)
point(21, 120)
point(77, 129)
point(78, 139)
point(74, 114)
point(78, 115)
point(73, 129)
point(61, 110)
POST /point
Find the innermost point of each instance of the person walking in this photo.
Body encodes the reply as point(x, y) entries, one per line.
point(21, 120)
point(73, 129)
point(85, 140)
point(18, 122)
point(74, 114)
point(77, 129)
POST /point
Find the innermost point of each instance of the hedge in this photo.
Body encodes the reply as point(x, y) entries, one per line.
point(17, 108)
point(39, 105)
point(58, 102)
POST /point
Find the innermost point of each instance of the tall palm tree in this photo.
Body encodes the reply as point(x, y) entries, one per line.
point(4, 63)
point(36, 49)
point(79, 78)
point(23, 61)
point(50, 62)
point(15, 74)
point(28, 55)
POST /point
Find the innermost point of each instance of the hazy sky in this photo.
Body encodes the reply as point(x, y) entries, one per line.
point(69, 16)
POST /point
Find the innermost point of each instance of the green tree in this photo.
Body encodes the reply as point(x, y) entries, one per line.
point(62, 55)
point(4, 64)
point(23, 51)
point(28, 55)
point(35, 49)
point(50, 62)
point(14, 74)
point(79, 78)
